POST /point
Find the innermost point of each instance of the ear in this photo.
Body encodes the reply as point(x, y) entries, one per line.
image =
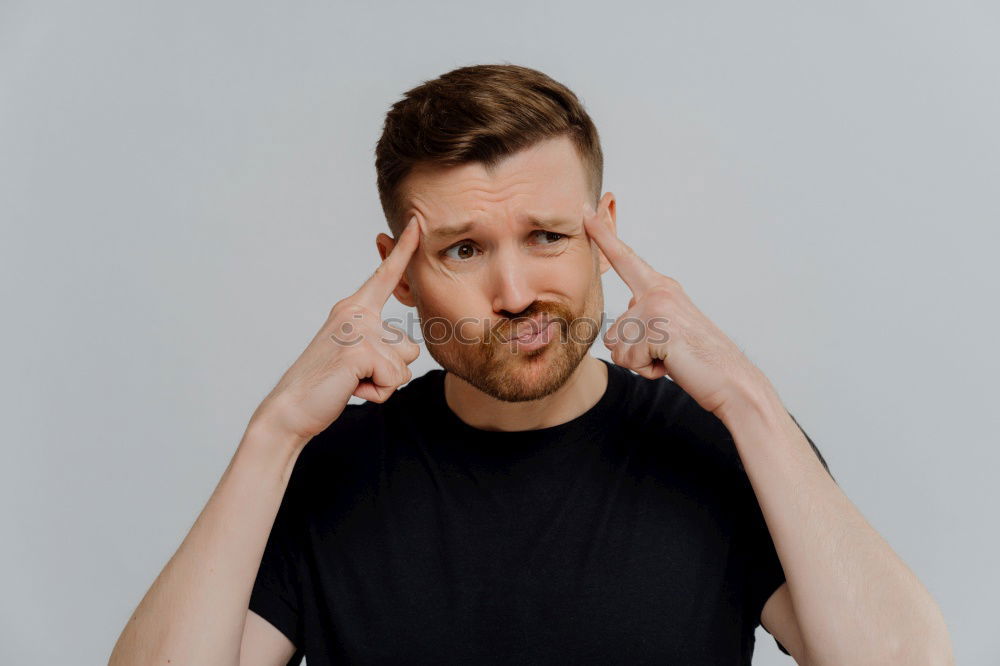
point(402, 292)
point(608, 200)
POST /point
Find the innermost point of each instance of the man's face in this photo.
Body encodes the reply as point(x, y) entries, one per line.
point(500, 253)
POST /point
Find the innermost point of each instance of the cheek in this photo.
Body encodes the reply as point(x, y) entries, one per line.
point(579, 268)
point(436, 275)
point(444, 293)
point(432, 279)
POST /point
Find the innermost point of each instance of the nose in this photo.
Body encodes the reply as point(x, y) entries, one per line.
point(511, 281)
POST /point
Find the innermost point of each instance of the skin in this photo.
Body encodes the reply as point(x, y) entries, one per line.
point(848, 599)
point(496, 278)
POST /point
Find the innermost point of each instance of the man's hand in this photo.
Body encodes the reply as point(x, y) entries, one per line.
point(354, 353)
point(661, 319)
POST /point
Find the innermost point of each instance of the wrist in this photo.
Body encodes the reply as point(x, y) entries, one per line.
point(756, 401)
point(266, 431)
point(270, 450)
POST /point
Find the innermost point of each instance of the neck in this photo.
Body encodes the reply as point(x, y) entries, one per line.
point(581, 391)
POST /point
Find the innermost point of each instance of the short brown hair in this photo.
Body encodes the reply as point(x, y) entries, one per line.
point(479, 113)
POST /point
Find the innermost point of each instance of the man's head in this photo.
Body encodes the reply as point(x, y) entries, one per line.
point(499, 164)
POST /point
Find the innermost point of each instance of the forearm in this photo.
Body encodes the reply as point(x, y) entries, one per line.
point(855, 600)
point(195, 611)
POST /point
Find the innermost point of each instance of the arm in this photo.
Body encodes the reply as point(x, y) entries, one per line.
point(196, 610)
point(263, 644)
point(207, 583)
point(854, 600)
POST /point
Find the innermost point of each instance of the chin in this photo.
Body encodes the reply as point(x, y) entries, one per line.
point(514, 376)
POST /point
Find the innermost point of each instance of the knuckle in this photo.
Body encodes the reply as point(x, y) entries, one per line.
point(345, 308)
point(665, 288)
point(671, 284)
point(346, 332)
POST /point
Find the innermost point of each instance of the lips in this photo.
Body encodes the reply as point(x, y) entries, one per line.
point(530, 328)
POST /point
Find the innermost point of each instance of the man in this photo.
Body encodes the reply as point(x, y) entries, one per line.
point(527, 503)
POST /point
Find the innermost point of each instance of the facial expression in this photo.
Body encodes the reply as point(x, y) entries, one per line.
point(498, 253)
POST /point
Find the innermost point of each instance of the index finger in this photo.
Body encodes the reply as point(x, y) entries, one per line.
point(636, 273)
point(379, 287)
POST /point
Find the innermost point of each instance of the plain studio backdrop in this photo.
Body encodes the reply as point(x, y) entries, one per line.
point(187, 188)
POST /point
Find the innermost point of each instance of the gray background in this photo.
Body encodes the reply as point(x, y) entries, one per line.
point(186, 189)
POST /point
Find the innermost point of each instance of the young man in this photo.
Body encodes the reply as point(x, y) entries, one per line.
point(527, 503)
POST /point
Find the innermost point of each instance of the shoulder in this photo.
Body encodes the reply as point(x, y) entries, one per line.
point(663, 412)
point(660, 403)
point(363, 428)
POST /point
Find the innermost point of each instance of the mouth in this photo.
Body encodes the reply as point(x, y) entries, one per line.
point(530, 329)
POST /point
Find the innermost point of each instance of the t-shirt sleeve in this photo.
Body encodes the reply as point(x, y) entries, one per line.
point(276, 595)
point(764, 573)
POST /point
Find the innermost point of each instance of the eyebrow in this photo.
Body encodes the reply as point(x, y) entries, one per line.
point(446, 232)
point(451, 231)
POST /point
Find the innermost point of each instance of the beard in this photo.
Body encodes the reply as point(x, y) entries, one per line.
point(501, 370)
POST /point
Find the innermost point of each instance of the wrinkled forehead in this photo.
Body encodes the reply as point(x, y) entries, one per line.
point(543, 183)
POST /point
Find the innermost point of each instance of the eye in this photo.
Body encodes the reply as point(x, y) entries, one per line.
point(464, 255)
point(458, 245)
point(549, 235)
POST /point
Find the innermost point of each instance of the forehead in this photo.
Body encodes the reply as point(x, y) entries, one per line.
point(544, 181)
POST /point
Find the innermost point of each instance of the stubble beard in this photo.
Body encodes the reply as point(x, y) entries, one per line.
point(502, 371)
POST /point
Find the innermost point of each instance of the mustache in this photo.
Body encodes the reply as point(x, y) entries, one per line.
point(532, 320)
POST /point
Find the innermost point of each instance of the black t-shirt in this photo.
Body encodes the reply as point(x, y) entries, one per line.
point(629, 535)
